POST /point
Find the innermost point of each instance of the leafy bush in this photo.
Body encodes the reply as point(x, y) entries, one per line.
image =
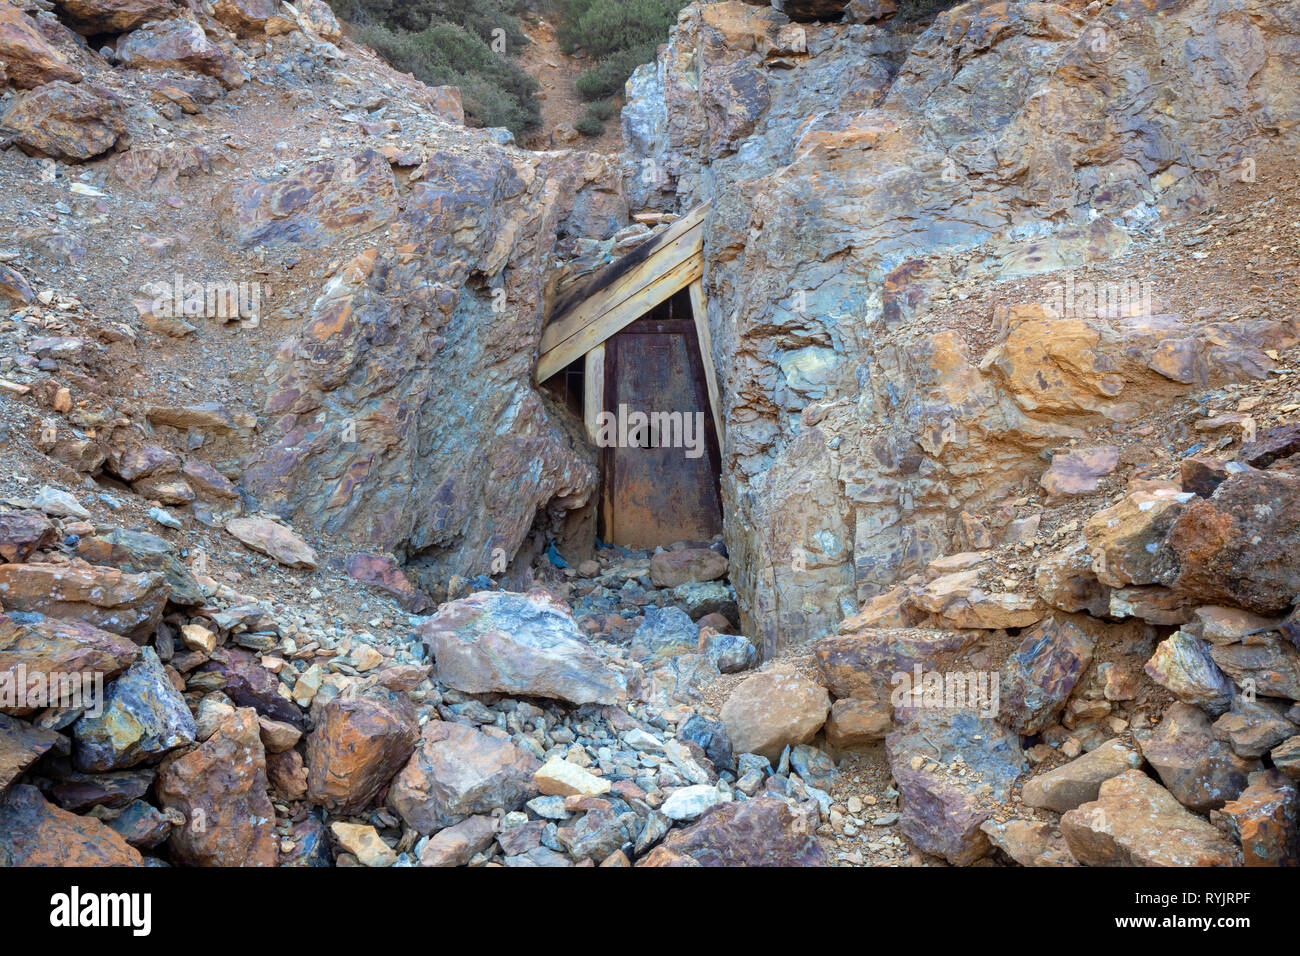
point(589, 125)
point(620, 34)
point(495, 91)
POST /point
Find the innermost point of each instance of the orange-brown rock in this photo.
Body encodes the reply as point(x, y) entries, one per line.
point(34, 832)
point(66, 122)
point(29, 58)
point(221, 788)
point(127, 604)
point(45, 646)
point(359, 744)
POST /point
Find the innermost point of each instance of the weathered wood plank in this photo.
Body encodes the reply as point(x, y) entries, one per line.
point(619, 316)
point(699, 309)
point(593, 390)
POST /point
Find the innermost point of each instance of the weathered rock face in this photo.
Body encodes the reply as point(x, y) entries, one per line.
point(856, 435)
point(221, 789)
point(458, 772)
point(1135, 822)
point(760, 832)
point(498, 642)
point(402, 413)
point(1042, 671)
point(67, 122)
point(358, 746)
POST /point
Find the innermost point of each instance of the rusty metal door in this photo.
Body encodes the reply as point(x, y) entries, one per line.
point(655, 496)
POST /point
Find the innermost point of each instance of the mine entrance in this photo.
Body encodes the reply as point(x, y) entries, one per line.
point(629, 351)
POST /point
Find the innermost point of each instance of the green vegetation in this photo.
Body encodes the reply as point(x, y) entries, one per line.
point(620, 35)
point(464, 43)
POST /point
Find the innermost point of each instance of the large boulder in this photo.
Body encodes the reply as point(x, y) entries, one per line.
point(113, 16)
point(1042, 671)
point(29, 59)
point(496, 642)
point(1239, 545)
point(181, 45)
point(1080, 780)
point(359, 744)
point(668, 569)
point(143, 718)
point(1201, 772)
point(1136, 822)
point(773, 710)
point(50, 651)
point(66, 122)
point(220, 788)
point(459, 772)
point(105, 597)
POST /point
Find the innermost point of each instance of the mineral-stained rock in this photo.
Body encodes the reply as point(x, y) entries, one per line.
point(857, 723)
point(1269, 666)
point(671, 568)
point(1080, 780)
point(143, 718)
point(80, 792)
point(687, 803)
point(319, 203)
point(1029, 842)
point(599, 833)
point(759, 832)
point(64, 121)
point(359, 744)
point(381, 572)
point(207, 482)
point(21, 533)
point(249, 684)
point(126, 604)
point(1124, 539)
point(36, 833)
point(1201, 772)
point(139, 552)
point(711, 737)
point(732, 652)
point(1238, 547)
point(701, 598)
point(1136, 822)
point(1183, 664)
point(863, 665)
point(30, 59)
point(287, 774)
point(220, 787)
point(182, 45)
point(246, 16)
point(457, 844)
point(1042, 671)
point(113, 16)
point(458, 772)
point(1065, 580)
point(1278, 443)
point(273, 539)
point(14, 288)
point(32, 646)
point(1263, 819)
point(141, 825)
point(1155, 605)
point(1227, 625)
point(960, 601)
point(21, 745)
point(772, 710)
point(1079, 471)
point(1254, 727)
point(528, 644)
point(953, 769)
point(664, 632)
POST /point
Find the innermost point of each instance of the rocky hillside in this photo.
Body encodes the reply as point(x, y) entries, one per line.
point(298, 567)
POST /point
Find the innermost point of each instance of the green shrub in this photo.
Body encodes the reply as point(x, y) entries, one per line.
point(605, 27)
point(479, 17)
point(607, 77)
point(589, 125)
point(495, 91)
